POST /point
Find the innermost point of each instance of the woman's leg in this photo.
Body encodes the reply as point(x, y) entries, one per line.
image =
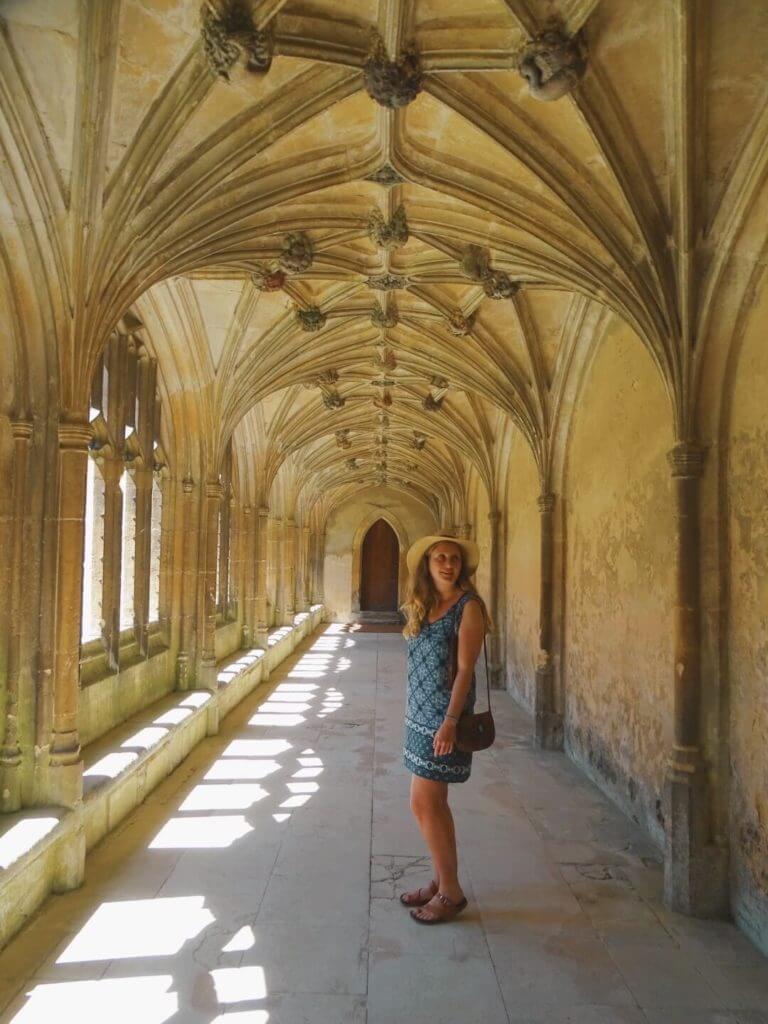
point(429, 803)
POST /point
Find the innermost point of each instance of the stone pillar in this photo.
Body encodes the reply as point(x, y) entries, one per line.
point(262, 538)
point(306, 570)
point(465, 531)
point(322, 566)
point(289, 572)
point(695, 871)
point(548, 723)
point(188, 599)
point(113, 551)
point(248, 548)
point(10, 758)
point(496, 637)
point(212, 511)
point(66, 778)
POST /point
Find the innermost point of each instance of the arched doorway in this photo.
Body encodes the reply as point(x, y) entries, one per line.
point(379, 569)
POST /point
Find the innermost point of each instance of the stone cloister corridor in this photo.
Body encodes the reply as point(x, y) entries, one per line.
point(285, 287)
point(258, 882)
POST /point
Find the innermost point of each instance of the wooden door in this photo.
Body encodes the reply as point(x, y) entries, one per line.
point(379, 569)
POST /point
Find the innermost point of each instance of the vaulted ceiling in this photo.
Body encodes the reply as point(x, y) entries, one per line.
point(365, 290)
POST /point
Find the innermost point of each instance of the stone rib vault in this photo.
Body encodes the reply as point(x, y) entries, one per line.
point(275, 271)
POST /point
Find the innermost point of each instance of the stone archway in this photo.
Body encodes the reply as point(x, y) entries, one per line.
point(357, 553)
point(379, 569)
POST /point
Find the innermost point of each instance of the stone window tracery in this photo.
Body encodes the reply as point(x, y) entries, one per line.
point(124, 506)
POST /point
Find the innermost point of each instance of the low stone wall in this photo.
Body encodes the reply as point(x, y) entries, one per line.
point(42, 850)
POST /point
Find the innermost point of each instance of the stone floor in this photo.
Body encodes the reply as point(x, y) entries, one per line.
point(258, 884)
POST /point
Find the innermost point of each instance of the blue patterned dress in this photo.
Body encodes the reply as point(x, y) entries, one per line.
point(429, 693)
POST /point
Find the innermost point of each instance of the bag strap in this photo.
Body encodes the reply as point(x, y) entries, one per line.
point(456, 654)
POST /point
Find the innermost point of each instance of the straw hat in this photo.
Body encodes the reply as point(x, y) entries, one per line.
point(469, 550)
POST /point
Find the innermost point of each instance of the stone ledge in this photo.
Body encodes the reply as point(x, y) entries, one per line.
point(42, 849)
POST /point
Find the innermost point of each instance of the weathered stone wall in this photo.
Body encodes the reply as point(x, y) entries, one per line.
point(619, 565)
point(523, 571)
point(340, 536)
point(748, 630)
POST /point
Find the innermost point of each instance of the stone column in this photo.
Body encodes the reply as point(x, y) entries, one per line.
point(695, 872)
point(212, 511)
point(548, 723)
point(495, 638)
point(306, 570)
point(321, 540)
point(247, 547)
point(113, 550)
point(262, 537)
point(66, 779)
point(289, 572)
point(188, 598)
point(10, 758)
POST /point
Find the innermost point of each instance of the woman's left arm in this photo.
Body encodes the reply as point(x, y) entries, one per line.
point(471, 633)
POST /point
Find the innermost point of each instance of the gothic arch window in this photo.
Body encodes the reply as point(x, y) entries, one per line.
point(122, 597)
point(91, 628)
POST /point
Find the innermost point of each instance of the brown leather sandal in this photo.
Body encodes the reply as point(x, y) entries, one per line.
point(441, 908)
point(415, 897)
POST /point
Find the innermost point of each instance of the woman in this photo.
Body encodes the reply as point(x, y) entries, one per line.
point(441, 603)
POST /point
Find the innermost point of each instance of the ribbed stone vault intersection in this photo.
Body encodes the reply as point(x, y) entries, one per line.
point(258, 884)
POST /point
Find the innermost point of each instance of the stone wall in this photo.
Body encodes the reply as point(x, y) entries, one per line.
point(343, 526)
point(522, 576)
point(619, 566)
point(748, 631)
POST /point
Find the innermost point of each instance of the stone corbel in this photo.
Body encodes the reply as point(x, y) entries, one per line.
point(229, 33)
point(552, 63)
point(388, 235)
point(392, 83)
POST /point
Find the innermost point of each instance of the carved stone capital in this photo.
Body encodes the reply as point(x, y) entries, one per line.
point(269, 280)
point(460, 325)
point(228, 32)
point(213, 489)
point(297, 253)
point(386, 176)
point(311, 319)
point(387, 282)
point(187, 485)
point(546, 503)
point(383, 318)
point(687, 460)
point(552, 63)
point(392, 83)
point(75, 435)
point(390, 234)
point(21, 430)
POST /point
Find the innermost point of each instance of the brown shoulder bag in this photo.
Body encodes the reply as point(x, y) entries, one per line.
point(474, 731)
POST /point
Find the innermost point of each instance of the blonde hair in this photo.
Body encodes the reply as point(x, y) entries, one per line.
point(422, 595)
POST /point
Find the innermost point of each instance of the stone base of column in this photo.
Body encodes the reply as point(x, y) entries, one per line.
point(70, 864)
point(207, 676)
point(10, 786)
point(695, 870)
point(212, 720)
point(261, 638)
point(548, 724)
point(64, 784)
point(548, 731)
point(246, 640)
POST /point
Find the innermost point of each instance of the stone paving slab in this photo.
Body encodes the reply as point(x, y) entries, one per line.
point(258, 885)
